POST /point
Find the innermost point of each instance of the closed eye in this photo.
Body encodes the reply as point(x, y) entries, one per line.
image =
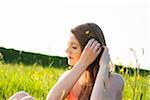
point(74, 47)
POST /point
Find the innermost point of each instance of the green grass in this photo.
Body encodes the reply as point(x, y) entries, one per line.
point(136, 87)
point(137, 90)
point(37, 81)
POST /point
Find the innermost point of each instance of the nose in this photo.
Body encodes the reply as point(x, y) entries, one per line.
point(68, 51)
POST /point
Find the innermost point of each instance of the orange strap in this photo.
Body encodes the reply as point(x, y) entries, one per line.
point(71, 97)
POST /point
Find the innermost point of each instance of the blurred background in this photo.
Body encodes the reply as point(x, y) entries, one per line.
point(44, 26)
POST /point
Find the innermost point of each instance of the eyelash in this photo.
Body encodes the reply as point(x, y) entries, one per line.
point(74, 47)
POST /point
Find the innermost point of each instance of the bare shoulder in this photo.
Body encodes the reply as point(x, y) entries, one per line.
point(117, 81)
point(117, 77)
point(115, 86)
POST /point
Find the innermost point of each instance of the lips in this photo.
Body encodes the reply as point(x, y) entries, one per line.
point(69, 57)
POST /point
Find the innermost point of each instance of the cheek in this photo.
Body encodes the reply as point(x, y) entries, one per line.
point(77, 54)
point(75, 59)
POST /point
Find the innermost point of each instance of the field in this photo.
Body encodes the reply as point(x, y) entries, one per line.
point(37, 81)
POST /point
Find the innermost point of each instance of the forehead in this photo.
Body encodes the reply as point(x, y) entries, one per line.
point(73, 39)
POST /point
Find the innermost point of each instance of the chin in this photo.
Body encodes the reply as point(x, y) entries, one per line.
point(70, 63)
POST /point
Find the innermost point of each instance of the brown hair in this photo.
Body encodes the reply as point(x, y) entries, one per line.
point(83, 33)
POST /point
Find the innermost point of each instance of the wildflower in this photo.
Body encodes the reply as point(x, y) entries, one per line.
point(34, 77)
point(130, 65)
point(87, 32)
point(138, 77)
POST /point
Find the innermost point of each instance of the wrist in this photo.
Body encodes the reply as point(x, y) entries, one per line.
point(80, 66)
point(83, 63)
point(103, 71)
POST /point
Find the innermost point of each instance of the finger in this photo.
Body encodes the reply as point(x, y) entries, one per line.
point(105, 58)
point(98, 50)
point(94, 44)
point(97, 47)
point(90, 42)
point(105, 52)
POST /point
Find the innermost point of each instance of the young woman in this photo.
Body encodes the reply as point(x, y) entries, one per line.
point(90, 77)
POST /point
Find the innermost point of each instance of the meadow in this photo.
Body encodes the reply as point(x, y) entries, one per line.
point(35, 80)
point(38, 80)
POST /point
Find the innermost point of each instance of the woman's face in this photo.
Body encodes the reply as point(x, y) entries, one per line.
point(73, 50)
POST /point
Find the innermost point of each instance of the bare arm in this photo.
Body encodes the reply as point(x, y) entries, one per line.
point(98, 92)
point(63, 87)
point(114, 82)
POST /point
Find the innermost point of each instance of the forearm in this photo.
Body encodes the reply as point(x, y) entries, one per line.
point(62, 88)
point(98, 92)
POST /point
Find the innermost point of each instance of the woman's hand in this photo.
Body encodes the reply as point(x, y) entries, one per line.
point(105, 58)
point(104, 64)
point(90, 52)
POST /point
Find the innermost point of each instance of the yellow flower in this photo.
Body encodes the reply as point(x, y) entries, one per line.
point(130, 65)
point(87, 33)
point(34, 77)
point(138, 77)
point(136, 90)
